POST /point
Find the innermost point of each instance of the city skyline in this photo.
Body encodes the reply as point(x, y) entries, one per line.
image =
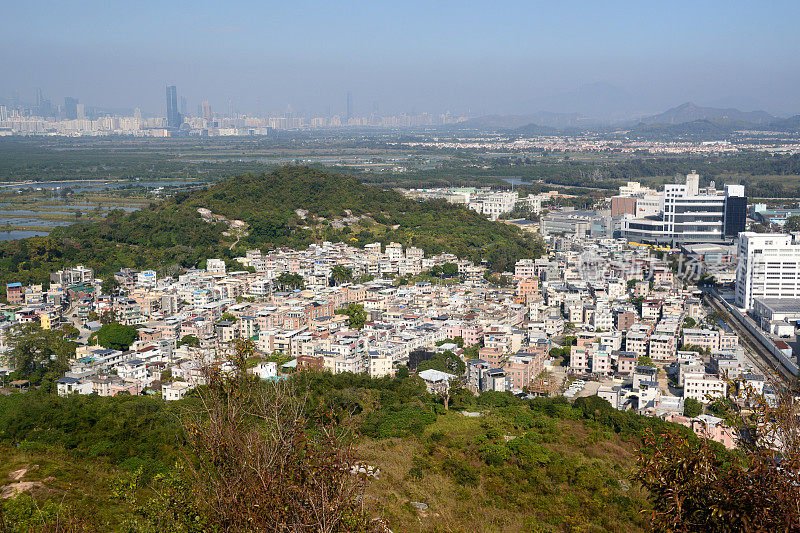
point(515, 58)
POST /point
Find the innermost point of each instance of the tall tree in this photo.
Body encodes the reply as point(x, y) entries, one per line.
point(110, 284)
point(341, 274)
point(288, 281)
point(696, 485)
point(356, 314)
point(34, 352)
point(792, 223)
point(116, 336)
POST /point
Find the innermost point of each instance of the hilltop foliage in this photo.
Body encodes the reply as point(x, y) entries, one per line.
point(172, 235)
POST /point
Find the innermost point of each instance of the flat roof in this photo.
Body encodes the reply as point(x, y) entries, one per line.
point(780, 305)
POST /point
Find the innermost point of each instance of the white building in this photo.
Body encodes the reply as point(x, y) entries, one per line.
point(494, 204)
point(635, 189)
point(265, 370)
point(687, 213)
point(768, 267)
point(379, 365)
point(68, 385)
point(146, 278)
point(394, 251)
point(175, 390)
point(703, 387)
point(436, 381)
point(217, 266)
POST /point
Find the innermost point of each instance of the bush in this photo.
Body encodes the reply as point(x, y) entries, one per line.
point(692, 407)
point(401, 422)
point(463, 474)
point(494, 454)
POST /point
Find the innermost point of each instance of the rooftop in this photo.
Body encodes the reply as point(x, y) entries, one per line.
point(780, 305)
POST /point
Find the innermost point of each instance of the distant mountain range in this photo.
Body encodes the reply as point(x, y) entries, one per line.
point(690, 112)
point(702, 129)
point(692, 122)
point(686, 120)
point(791, 124)
point(598, 104)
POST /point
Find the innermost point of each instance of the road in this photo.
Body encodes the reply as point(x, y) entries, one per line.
point(760, 356)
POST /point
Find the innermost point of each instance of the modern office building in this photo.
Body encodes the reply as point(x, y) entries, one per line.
point(735, 210)
point(174, 119)
point(768, 268)
point(684, 213)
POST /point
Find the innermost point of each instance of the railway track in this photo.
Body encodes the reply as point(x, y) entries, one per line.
point(762, 358)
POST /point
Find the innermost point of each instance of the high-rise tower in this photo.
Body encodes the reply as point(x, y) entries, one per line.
point(174, 118)
point(71, 108)
point(205, 108)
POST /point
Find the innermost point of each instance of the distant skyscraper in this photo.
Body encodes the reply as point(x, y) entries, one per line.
point(43, 106)
point(174, 118)
point(206, 109)
point(349, 112)
point(71, 108)
point(183, 105)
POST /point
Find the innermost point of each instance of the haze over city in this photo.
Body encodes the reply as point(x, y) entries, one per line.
point(608, 60)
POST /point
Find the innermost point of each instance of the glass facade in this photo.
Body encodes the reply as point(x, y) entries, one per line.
point(735, 215)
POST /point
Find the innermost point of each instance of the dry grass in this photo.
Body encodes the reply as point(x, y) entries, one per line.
point(58, 476)
point(453, 507)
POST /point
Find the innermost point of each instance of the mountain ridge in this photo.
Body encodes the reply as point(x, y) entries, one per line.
point(690, 112)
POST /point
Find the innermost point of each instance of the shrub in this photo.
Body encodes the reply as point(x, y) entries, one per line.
point(463, 474)
point(494, 454)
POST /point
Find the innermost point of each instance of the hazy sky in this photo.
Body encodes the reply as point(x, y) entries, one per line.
point(483, 57)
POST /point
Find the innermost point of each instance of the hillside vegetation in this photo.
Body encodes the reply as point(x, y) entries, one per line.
point(541, 465)
point(292, 206)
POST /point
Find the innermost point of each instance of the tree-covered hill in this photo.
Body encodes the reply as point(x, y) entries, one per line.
point(292, 206)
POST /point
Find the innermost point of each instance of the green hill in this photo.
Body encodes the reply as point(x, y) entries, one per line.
point(540, 465)
point(292, 206)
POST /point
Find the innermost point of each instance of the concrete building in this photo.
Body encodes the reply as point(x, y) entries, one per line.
point(575, 222)
point(703, 387)
point(688, 214)
point(777, 314)
point(768, 268)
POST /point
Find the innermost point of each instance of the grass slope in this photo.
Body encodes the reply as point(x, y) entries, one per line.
point(560, 475)
point(541, 465)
